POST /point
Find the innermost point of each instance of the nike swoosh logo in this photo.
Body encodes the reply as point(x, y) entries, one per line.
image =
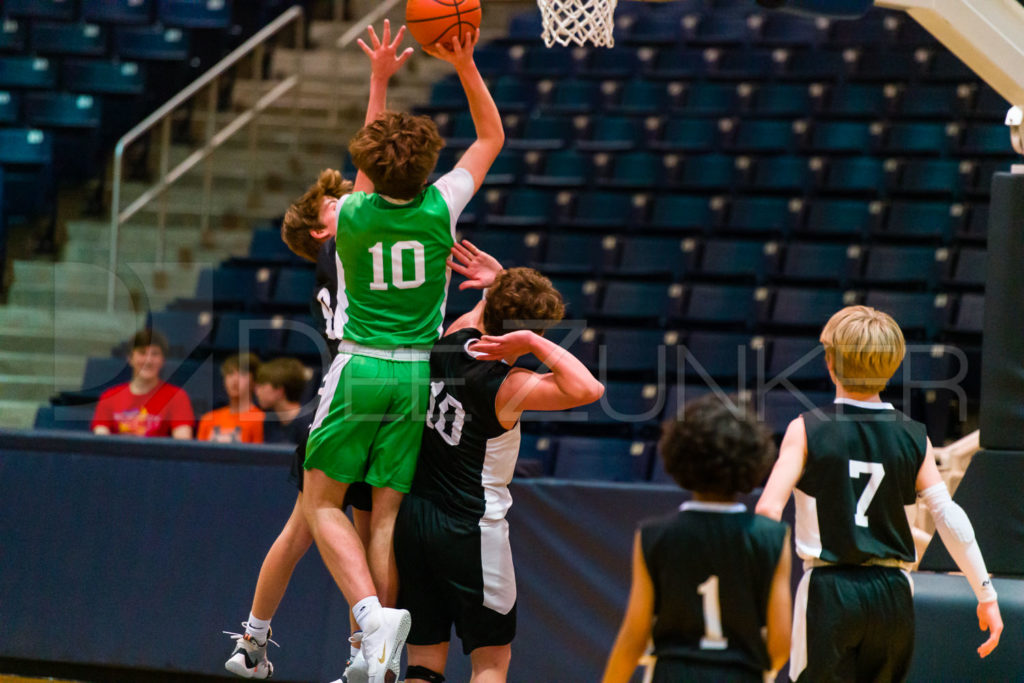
point(383, 650)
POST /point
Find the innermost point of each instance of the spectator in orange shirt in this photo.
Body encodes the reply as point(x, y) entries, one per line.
point(240, 421)
point(145, 406)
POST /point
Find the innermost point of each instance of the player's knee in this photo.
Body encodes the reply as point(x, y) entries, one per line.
point(415, 672)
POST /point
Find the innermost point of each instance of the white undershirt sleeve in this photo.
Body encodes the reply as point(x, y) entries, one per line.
point(957, 535)
point(457, 187)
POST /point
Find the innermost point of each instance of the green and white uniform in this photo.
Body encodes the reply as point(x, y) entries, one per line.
point(387, 313)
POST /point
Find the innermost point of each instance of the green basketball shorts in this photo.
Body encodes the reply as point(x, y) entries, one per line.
point(369, 421)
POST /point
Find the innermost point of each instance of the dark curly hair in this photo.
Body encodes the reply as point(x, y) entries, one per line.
point(711, 449)
point(304, 214)
point(397, 152)
point(521, 299)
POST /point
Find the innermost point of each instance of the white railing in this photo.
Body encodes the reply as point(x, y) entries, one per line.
point(162, 117)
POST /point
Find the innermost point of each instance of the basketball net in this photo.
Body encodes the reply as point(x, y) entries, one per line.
point(578, 21)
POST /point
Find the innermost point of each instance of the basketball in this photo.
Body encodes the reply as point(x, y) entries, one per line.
point(438, 21)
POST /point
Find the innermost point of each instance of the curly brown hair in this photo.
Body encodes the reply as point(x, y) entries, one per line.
point(710, 448)
point(521, 299)
point(304, 215)
point(397, 152)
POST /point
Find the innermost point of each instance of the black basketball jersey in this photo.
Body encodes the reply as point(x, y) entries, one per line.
point(466, 458)
point(712, 566)
point(859, 484)
point(325, 295)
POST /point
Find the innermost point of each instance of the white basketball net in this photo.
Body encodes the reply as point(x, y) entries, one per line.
point(578, 21)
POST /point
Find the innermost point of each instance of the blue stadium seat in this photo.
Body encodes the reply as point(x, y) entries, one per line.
point(760, 215)
point(267, 245)
point(57, 10)
point(540, 448)
point(25, 146)
point(86, 40)
point(782, 99)
point(989, 104)
point(294, 287)
point(970, 314)
point(185, 331)
point(636, 405)
point(780, 407)
point(102, 373)
point(542, 132)
point(742, 65)
point(576, 295)
point(62, 110)
point(870, 29)
point(201, 380)
point(807, 262)
point(721, 29)
point(976, 228)
point(921, 220)
point(563, 168)
point(887, 65)
point(195, 13)
point(620, 63)
point(633, 300)
point(789, 30)
point(262, 334)
point(492, 60)
point(789, 174)
point(102, 77)
point(67, 417)
point(152, 43)
point(118, 11)
point(718, 304)
point(917, 313)
point(613, 134)
point(602, 459)
point(798, 359)
point(969, 271)
point(710, 99)
point(682, 213)
point(934, 177)
point(912, 33)
point(676, 63)
point(805, 308)
point(840, 218)
point(506, 169)
point(445, 95)
point(511, 248)
point(574, 96)
point(723, 357)
point(523, 208)
point(856, 175)
point(572, 254)
point(633, 350)
point(857, 100)
point(232, 286)
point(904, 266)
point(642, 97)
point(708, 172)
point(815, 65)
point(658, 25)
point(763, 137)
point(919, 138)
point(734, 260)
point(635, 170)
point(13, 35)
point(10, 108)
point(653, 257)
point(947, 67)
point(512, 94)
point(931, 101)
point(548, 62)
point(986, 139)
point(525, 27)
point(842, 137)
point(688, 135)
point(27, 72)
point(981, 180)
point(601, 210)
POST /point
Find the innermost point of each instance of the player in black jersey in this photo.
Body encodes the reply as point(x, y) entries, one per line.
point(451, 537)
point(855, 468)
point(711, 581)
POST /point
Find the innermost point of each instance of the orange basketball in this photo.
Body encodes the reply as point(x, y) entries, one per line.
point(438, 21)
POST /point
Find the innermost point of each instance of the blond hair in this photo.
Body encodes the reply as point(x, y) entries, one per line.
point(304, 215)
point(864, 347)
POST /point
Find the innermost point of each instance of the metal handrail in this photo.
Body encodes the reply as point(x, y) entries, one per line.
point(214, 139)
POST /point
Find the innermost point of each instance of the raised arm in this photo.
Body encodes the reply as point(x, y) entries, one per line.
point(786, 472)
point(384, 62)
point(479, 268)
point(490, 134)
point(635, 631)
point(568, 385)
point(957, 535)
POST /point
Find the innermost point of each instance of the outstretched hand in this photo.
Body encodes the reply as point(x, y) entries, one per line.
point(460, 53)
point(479, 268)
point(384, 60)
point(989, 619)
point(516, 343)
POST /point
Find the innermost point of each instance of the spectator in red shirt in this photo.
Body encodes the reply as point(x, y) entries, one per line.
point(145, 406)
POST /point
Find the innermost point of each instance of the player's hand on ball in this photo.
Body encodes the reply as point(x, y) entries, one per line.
point(989, 619)
point(507, 345)
point(384, 57)
point(478, 267)
point(458, 52)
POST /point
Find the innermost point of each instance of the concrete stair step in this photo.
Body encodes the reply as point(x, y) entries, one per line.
point(46, 343)
point(18, 414)
point(41, 364)
point(70, 325)
point(69, 276)
point(34, 387)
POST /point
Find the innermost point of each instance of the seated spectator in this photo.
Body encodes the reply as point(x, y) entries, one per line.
point(239, 421)
point(279, 387)
point(145, 406)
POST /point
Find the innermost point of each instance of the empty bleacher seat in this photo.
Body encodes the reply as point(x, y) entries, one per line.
point(62, 110)
point(788, 29)
point(57, 10)
point(920, 138)
point(653, 256)
point(857, 100)
point(573, 96)
point(634, 170)
point(970, 314)
point(717, 304)
point(67, 417)
point(797, 359)
point(546, 62)
point(10, 107)
point(931, 101)
point(917, 313)
point(814, 65)
point(102, 373)
point(633, 300)
point(986, 139)
point(511, 248)
point(763, 136)
point(807, 262)
point(970, 267)
point(185, 331)
point(839, 137)
point(710, 99)
point(682, 213)
point(152, 43)
point(613, 134)
point(844, 218)
point(293, 287)
point(779, 407)
point(782, 99)
point(195, 13)
point(542, 132)
point(563, 168)
point(805, 308)
point(856, 175)
point(246, 332)
point(735, 260)
point(118, 11)
point(13, 35)
point(760, 215)
point(917, 220)
point(98, 76)
point(603, 210)
point(933, 176)
point(721, 357)
point(643, 97)
point(602, 459)
point(567, 254)
point(904, 266)
point(887, 65)
point(25, 146)
point(27, 72)
point(512, 94)
point(87, 40)
point(688, 135)
point(708, 172)
point(650, 353)
point(523, 208)
point(622, 62)
point(789, 174)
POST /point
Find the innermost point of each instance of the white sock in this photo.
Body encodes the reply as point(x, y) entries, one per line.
point(259, 629)
point(367, 612)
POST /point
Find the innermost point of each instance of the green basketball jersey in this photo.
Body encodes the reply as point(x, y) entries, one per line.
point(392, 275)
